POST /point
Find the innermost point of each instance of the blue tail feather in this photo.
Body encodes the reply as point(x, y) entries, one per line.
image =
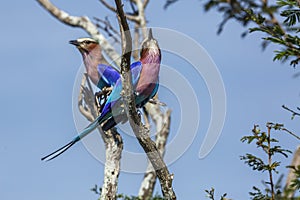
point(84, 133)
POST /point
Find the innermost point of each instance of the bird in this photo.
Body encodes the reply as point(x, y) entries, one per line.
point(102, 75)
point(145, 80)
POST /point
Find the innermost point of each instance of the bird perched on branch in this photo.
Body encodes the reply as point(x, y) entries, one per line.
point(145, 83)
point(101, 75)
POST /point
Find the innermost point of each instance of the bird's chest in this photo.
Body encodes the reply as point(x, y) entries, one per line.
point(147, 80)
point(92, 71)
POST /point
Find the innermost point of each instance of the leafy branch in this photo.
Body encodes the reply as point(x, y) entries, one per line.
point(270, 147)
point(211, 194)
point(264, 16)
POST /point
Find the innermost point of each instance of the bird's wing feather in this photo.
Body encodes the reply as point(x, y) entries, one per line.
point(115, 95)
point(108, 76)
point(106, 113)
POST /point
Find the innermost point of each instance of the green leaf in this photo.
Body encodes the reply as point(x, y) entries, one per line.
point(275, 40)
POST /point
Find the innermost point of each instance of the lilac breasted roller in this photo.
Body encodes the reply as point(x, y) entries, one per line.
point(145, 74)
point(101, 75)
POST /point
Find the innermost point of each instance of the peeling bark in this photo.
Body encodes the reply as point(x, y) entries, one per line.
point(112, 140)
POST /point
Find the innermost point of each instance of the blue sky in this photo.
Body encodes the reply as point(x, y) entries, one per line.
point(37, 76)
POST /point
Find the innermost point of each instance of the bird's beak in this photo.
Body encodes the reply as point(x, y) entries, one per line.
point(150, 36)
point(74, 42)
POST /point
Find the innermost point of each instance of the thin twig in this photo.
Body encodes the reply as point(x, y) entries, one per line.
point(291, 133)
point(84, 111)
point(136, 42)
point(294, 113)
point(134, 11)
point(108, 24)
point(108, 6)
point(108, 28)
point(168, 3)
point(113, 9)
point(145, 4)
point(270, 163)
point(141, 17)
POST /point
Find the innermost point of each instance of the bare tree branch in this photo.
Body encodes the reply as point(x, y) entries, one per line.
point(294, 113)
point(291, 133)
point(84, 23)
point(149, 180)
point(113, 150)
point(108, 28)
point(139, 130)
point(168, 3)
point(145, 4)
point(85, 105)
point(141, 17)
point(132, 5)
point(291, 175)
point(113, 9)
point(112, 140)
point(108, 6)
point(136, 42)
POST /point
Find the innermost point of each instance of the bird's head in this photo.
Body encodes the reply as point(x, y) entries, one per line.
point(150, 46)
point(85, 45)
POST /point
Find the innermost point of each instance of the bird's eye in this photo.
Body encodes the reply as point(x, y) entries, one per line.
point(87, 42)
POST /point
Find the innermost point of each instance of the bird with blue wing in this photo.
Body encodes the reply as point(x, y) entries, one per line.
point(101, 74)
point(145, 75)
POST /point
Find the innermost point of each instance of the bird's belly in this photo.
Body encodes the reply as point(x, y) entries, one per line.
point(145, 89)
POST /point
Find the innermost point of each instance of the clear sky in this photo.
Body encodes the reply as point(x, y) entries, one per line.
point(38, 72)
